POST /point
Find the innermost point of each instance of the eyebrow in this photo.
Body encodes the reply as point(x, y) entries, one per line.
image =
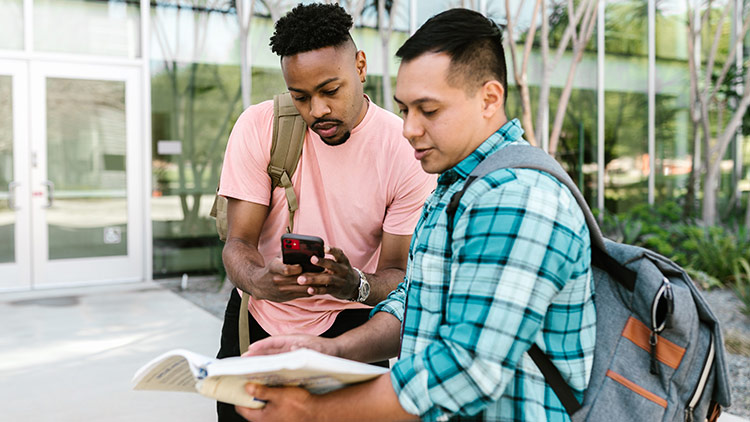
point(418, 101)
point(317, 87)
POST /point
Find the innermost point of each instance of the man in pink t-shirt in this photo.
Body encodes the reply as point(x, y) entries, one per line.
point(358, 185)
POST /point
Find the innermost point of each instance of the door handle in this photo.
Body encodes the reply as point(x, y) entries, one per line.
point(50, 193)
point(12, 195)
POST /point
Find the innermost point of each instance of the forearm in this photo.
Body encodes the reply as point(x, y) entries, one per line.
point(243, 263)
point(382, 283)
point(371, 401)
point(376, 340)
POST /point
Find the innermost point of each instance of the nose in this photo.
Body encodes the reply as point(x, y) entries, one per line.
point(412, 128)
point(319, 107)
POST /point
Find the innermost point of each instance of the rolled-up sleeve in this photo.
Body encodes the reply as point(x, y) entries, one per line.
point(394, 304)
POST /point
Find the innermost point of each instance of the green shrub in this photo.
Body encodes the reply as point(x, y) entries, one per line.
point(713, 256)
point(741, 284)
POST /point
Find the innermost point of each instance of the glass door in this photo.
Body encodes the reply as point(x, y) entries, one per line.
point(15, 266)
point(87, 195)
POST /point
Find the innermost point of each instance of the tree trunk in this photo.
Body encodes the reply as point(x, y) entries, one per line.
point(579, 45)
point(710, 190)
point(520, 74)
point(385, 29)
point(245, 11)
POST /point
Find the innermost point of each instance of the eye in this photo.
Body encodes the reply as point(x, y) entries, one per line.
point(331, 91)
point(429, 113)
point(402, 111)
point(301, 98)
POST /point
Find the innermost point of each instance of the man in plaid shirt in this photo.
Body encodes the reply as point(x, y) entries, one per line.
point(515, 271)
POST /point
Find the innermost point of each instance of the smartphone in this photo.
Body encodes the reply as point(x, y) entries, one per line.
point(299, 248)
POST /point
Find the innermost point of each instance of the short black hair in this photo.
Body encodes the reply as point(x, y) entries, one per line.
point(473, 42)
point(310, 27)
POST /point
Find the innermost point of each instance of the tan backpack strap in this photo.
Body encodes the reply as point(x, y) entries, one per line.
point(219, 212)
point(288, 136)
point(286, 147)
point(244, 326)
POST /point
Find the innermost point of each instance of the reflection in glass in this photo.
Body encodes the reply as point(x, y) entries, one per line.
point(626, 101)
point(673, 146)
point(195, 100)
point(86, 155)
point(7, 216)
point(110, 28)
point(11, 21)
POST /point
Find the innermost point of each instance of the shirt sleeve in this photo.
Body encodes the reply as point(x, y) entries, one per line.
point(244, 174)
point(394, 304)
point(512, 249)
point(412, 187)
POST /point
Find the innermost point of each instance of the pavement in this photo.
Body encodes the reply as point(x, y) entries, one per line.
point(68, 355)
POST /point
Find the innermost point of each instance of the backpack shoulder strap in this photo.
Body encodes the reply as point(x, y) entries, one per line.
point(288, 136)
point(286, 147)
point(530, 157)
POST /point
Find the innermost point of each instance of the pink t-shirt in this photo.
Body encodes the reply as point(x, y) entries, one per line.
point(348, 195)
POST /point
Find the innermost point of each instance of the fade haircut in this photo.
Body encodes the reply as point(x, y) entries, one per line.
point(473, 42)
point(311, 27)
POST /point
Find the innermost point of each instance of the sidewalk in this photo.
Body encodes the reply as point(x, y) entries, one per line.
point(69, 354)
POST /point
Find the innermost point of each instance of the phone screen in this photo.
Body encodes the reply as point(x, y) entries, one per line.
point(298, 249)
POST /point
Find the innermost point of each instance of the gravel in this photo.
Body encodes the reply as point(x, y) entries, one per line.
point(211, 294)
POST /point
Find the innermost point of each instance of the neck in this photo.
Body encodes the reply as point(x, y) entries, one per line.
point(362, 111)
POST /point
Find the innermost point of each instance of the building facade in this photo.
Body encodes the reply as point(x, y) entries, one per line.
point(114, 116)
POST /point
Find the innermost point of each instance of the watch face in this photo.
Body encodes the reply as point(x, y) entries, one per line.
point(364, 290)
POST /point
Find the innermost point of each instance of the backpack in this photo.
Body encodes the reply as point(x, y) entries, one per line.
point(286, 148)
point(659, 353)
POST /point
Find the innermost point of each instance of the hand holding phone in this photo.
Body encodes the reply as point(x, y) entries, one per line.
point(298, 249)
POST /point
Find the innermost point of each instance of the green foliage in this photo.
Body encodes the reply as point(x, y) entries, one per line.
point(713, 256)
point(741, 285)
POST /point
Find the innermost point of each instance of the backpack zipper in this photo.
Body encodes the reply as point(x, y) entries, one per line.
point(689, 417)
point(664, 293)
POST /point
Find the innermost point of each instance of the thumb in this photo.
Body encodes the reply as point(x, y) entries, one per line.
point(259, 392)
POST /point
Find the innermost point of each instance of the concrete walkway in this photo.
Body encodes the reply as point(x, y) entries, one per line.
point(68, 355)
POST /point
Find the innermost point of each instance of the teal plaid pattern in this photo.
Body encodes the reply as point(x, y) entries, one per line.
point(515, 272)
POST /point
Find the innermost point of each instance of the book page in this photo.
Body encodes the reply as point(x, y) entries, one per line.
point(229, 389)
point(314, 363)
point(225, 379)
point(177, 370)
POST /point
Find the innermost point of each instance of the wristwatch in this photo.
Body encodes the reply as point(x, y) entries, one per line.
point(363, 292)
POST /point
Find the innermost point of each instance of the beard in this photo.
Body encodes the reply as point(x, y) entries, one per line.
point(340, 141)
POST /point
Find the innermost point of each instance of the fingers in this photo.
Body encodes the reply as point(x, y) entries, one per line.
point(338, 255)
point(270, 346)
point(256, 391)
point(276, 266)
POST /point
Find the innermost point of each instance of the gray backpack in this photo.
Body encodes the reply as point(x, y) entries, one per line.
point(659, 353)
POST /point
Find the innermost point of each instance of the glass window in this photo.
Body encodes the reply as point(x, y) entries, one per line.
point(7, 215)
point(109, 28)
point(11, 20)
point(673, 128)
point(626, 104)
point(86, 148)
point(196, 98)
point(428, 9)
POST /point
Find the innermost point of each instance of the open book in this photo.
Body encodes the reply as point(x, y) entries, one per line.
point(225, 379)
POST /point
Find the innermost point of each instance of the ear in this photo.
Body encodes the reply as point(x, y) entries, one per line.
point(361, 64)
point(493, 99)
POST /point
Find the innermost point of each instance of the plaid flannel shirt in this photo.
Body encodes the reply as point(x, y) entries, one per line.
point(515, 272)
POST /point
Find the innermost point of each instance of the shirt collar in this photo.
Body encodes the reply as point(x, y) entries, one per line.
point(509, 133)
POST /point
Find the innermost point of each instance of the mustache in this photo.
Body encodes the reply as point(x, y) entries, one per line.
point(320, 121)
